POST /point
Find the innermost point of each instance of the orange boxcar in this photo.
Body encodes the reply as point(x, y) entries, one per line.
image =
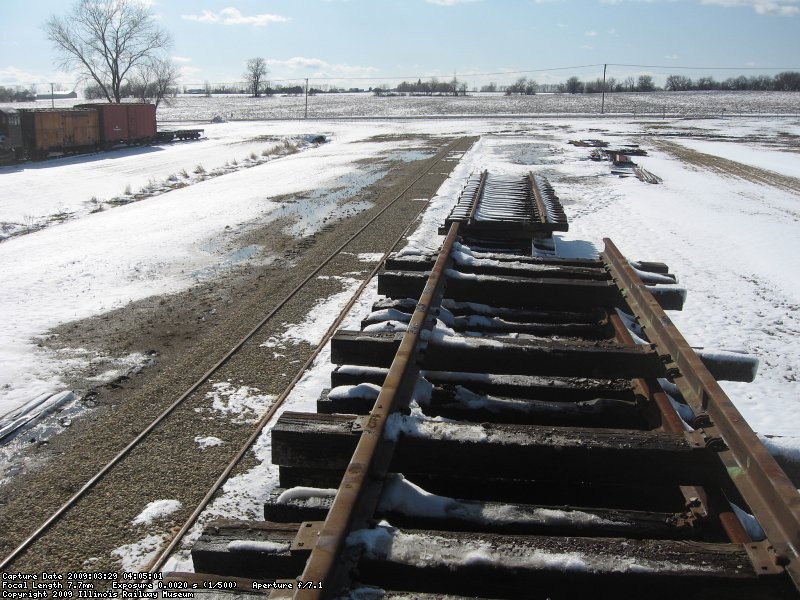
point(59, 130)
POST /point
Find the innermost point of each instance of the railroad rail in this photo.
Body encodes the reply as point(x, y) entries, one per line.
point(458, 145)
point(516, 426)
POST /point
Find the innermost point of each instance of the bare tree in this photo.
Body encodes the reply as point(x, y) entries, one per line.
point(645, 84)
point(787, 81)
point(255, 73)
point(574, 85)
point(155, 81)
point(105, 41)
point(629, 84)
point(677, 83)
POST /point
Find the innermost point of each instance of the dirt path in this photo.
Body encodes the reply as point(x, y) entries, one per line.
point(728, 167)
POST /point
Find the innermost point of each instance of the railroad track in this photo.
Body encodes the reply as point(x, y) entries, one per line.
point(54, 530)
point(507, 425)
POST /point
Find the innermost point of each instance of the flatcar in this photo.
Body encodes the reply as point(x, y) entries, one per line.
point(38, 133)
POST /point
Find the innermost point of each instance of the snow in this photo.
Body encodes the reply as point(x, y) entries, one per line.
point(786, 163)
point(242, 403)
point(729, 240)
point(389, 543)
point(749, 522)
point(208, 441)
point(721, 236)
point(419, 426)
point(243, 495)
point(81, 267)
point(402, 496)
point(258, 546)
point(313, 328)
point(156, 510)
point(137, 554)
point(304, 493)
point(364, 391)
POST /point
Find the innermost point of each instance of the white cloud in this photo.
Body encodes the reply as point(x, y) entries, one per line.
point(671, 56)
point(190, 74)
point(763, 7)
point(12, 76)
point(182, 59)
point(450, 2)
point(591, 34)
point(300, 66)
point(782, 8)
point(233, 16)
point(639, 1)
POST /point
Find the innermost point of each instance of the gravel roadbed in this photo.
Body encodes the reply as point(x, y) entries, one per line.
point(186, 334)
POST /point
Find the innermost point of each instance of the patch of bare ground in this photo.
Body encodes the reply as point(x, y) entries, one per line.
point(186, 334)
point(729, 167)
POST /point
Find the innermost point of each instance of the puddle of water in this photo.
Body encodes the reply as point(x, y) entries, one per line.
point(411, 155)
point(228, 261)
point(528, 154)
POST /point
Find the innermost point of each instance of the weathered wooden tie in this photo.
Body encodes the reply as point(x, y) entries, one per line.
point(326, 442)
point(521, 446)
point(533, 356)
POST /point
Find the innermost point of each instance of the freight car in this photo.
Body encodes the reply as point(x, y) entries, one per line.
point(130, 124)
point(37, 133)
point(10, 135)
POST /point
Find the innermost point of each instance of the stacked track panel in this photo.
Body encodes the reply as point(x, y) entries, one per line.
point(506, 213)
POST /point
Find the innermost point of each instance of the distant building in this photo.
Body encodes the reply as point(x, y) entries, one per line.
point(57, 96)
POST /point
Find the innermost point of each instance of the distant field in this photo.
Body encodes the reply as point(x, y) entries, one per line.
point(367, 105)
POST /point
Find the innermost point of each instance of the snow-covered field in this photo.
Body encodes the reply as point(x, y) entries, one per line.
point(730, 240)
point(368, 105)
point(722, 236)
point(725, 237)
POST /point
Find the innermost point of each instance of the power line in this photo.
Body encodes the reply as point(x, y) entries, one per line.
point(707, 68)
point(464, 75)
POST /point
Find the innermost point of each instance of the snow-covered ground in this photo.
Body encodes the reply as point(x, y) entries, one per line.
point(725, 237)
point(95, 261)
point(722, 236)
point(731, 241)
point(191, 107)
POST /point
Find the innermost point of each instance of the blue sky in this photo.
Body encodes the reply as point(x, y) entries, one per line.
point(481, 40)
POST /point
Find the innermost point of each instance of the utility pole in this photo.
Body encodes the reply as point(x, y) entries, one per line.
point(52, 96)
point(603, 103)
point(306, 115)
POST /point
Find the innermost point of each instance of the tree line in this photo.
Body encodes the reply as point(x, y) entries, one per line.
point(119, 47)
point(17, 94)
point(432, 87)
point(787, 81)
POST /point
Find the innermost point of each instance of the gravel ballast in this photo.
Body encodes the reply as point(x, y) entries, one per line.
point(185, 334)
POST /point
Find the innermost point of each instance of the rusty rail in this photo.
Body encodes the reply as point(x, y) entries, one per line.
point(696, 488)
point(760, 480)
point(353, 500)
